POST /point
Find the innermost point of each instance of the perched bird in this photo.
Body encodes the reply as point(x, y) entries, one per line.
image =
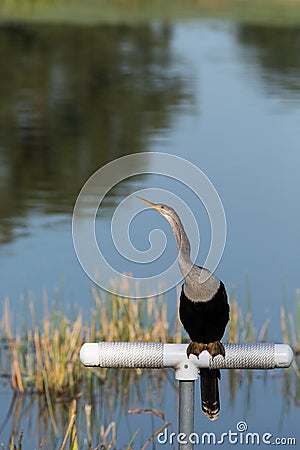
point(203, 311)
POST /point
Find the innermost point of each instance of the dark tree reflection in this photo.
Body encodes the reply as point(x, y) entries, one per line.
point(276, 50)
point(74, 98)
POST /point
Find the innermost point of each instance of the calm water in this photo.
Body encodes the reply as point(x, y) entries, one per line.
point(225, 96)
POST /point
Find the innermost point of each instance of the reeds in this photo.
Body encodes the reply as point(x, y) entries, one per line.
point(135, 320)
point(45, 357)
point(290, 326)
point(241, 327)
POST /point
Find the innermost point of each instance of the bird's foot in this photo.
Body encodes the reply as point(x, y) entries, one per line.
point(216, 348)
point(195, 348)
point(213, 348)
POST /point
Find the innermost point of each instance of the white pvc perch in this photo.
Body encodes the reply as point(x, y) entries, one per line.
point(153, 355)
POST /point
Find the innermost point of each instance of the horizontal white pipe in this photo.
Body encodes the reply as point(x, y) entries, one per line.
point(152, 355)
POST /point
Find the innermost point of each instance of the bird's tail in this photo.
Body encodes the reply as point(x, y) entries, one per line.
point(210, 392)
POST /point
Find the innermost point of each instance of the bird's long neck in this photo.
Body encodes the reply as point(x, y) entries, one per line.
point(200, 285)
point(183, 244)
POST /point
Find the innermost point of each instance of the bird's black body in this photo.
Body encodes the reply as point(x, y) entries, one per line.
point(205, 321)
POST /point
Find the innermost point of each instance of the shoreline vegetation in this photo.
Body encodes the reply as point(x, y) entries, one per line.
point(42, 357)
point(121, 11)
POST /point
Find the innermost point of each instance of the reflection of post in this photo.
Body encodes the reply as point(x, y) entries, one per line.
point(152, 355)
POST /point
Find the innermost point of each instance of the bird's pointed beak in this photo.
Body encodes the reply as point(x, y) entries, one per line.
point(153, 205)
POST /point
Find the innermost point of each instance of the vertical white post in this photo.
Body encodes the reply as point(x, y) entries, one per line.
point(186, 414)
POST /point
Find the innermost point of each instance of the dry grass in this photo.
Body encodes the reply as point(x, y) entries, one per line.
point(134, 320)
point(45, 357)
point(290, 326)
point(241, 327)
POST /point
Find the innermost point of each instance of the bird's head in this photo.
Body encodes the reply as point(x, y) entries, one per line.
point(182, 240)
point(165, 210)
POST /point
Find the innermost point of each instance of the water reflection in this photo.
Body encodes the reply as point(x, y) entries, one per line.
point(103, 403)
point(99, 404)
point(72, 99)
point(275, 52)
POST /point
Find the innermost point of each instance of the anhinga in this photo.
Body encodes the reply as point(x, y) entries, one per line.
point(203, 311)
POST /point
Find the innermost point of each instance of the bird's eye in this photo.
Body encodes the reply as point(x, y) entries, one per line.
point(162, 207)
